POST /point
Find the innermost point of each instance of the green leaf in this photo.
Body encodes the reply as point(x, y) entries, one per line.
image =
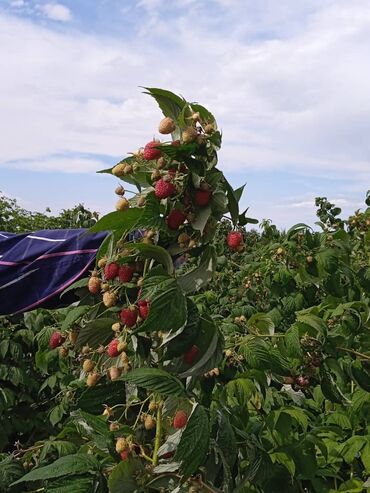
point(81, 283)
point(260, 323)
point(57, 414)
point(209, 343)
point(285, 460)
point(239, 391)
point(194, 442)
point(62, 447)
point(177, 345)
point(92, 399)
point(329, 387)
point(170, 104)
point(260, 355)
point(122, 220)
point(352, 447)
point(168, 310)
point(73, 314)
point(155, 380)
point(197, 278)
point(122, 478)
point(155, 252)
point(95, 333)
point(201, 218)
point(77, 484)
point(226, 439)
point(69, 464)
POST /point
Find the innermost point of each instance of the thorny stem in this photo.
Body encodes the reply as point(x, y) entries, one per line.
point(352, 351)
point(158, 433)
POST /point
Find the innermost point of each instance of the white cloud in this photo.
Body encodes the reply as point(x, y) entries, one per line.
point(17, 3)
point(56, 12)
point(296, 101)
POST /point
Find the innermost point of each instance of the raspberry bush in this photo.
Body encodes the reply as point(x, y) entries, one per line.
point(256, 382)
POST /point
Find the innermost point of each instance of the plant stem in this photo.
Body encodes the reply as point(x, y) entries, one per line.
point(352, 351)
point(158, 433)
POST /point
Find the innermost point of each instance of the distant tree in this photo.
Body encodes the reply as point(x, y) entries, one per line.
point(16, 219)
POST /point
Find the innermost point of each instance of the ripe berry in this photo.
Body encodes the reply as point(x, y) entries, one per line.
point(234, 239)
point(113, 348)
point(166, 126)
point(302, 381)
point(125, 273)
point(56, 339)
point(94, 285)
point(129, 316)
point(164, 189)
point(202, 197)
point(125, 454)
point(143, 308)
point(150, 151)
point(175, 219)
point(180, 420)
point(168, 455)
point(111, 271)
point(191, 354)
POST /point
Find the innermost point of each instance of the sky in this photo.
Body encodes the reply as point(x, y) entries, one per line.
point(288, 82)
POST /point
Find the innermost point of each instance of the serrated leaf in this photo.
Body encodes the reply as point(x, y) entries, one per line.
point(122, 478)
point(155, 380)
point(168, 310)
point(194, 442)
point(69, 464)
point(73, 314)
point(197, 278)
point(170, 104)
point(95, 333)
point(226, 439)
point(118, 220)
point(75, 484)
point(155, 252)
point(260, 323)
point(93, 399)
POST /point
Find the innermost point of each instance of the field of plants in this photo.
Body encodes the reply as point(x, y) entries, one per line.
point(200, 357)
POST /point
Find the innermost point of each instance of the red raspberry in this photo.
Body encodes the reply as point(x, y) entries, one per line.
point(175, 218)
point(56, 340)
point(180, 419)
point(234, 239)
point(111, 271)
point(168, 455)
point(150, 151)
point(143, 308)
point(171, 172)
point(202, 197)
point(112, 348)
point(125, 273)
point(191, 354)
point(124, 455)
point(129, 316)
point(164, 189)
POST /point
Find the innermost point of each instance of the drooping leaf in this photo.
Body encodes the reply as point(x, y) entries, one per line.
point(156, 380)
point(193, 445)
point(69, 464)
point(197, 278)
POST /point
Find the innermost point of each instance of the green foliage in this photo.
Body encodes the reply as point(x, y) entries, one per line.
point(15, 219)
point(247, 370)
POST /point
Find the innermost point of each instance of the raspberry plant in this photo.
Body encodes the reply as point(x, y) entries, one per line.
point(256, 383)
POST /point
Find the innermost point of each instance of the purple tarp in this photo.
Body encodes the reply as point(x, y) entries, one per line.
point(36, 267)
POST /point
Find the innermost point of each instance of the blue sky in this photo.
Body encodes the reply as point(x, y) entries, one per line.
point(287, 81)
